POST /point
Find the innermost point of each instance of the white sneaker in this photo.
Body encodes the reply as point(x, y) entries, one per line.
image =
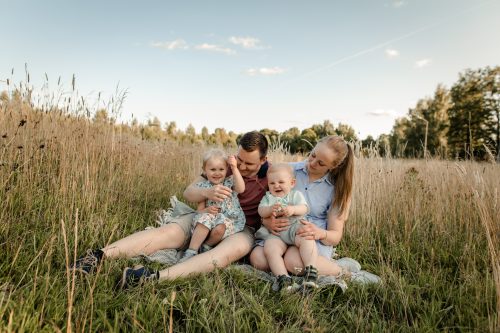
point(364, 277)
point(349, 264)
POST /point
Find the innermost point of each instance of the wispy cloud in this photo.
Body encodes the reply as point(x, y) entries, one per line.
point(423, 63)
point(246, 42)
point(382, 113)
point(215, 48)
point(398, 3)
point(391, 53)
point(178, 44)
point(264, 71)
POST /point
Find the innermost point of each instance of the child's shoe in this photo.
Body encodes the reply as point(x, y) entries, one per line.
point(189, 253)
point(310, 280)
point(286, 284)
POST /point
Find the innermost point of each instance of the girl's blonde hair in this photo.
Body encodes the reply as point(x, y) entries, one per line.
point(342, 173)
point(213, 153)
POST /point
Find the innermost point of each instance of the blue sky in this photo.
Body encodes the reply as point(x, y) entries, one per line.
point(253, 64)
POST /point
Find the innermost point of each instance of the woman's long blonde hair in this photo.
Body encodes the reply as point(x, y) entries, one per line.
point(342, 174)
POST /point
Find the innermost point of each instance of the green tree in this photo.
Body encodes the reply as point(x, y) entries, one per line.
point(472, 116)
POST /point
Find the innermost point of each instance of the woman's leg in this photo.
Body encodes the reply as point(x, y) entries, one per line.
point(294, 263)
point(170, 236)
point(258, 259)
point(229, 250)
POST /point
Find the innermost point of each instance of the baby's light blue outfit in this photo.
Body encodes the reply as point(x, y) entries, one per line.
point(294, 198)
point(319, 195)
point(230, 214)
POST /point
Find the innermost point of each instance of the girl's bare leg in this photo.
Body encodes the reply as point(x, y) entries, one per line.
point(170, 236)
point(294, 263)
point(216, 235)
point(229, 250)
point(200, 233)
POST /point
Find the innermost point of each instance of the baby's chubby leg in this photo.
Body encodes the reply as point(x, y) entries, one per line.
point(274, 249)
point(308, 250)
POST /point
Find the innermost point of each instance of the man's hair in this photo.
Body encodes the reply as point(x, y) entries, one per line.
point(254, 140)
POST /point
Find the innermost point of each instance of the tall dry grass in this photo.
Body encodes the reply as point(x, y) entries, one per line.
point(430, 229)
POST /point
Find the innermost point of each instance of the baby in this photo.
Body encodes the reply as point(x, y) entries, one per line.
point(221, 218)
point(282, 200)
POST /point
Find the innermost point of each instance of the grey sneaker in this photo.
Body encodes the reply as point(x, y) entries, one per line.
point(189, 253)
point(349, 264)
point(364, 277)
point(138, 275)
point(89, 262)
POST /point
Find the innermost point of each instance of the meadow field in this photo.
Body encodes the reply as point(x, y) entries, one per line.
point(429, 228)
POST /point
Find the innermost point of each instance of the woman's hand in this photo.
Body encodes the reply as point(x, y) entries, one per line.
point(275, 225)
point(218, 193)
point(309, 230)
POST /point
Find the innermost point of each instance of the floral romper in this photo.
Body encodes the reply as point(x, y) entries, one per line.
point(231, 214)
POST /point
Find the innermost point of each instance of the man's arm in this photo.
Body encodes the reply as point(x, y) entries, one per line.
point(217, 193)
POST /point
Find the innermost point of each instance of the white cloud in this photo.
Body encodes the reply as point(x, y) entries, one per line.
point(179, 44)
point(423, 63)
point(264, 71)
point(382, 113)
point(215, 48)
point(246, 42)
point(391, 53)
point(398, 3)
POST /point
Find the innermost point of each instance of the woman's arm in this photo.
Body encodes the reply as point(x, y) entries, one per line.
point(335, 226)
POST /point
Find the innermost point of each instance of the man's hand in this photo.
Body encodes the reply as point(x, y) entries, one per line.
point(275, 225)
point(212, 210)
point(218, 193)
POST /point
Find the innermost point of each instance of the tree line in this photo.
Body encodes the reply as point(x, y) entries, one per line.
point(460, 122)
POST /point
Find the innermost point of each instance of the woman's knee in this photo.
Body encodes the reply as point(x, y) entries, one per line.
point(293, 262)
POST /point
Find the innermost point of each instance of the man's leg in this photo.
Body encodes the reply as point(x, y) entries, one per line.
point(229, 250)
point(170, 236)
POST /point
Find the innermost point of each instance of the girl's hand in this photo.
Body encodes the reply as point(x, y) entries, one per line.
point(231, 161)
point(309, 230)
point(212, 210)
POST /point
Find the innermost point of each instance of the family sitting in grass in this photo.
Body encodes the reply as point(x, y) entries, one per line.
point(300, 226)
